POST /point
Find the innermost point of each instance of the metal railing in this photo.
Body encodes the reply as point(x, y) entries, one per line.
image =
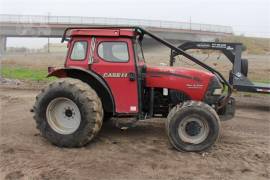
point(7, 18)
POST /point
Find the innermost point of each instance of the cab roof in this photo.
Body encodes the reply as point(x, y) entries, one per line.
point(113, 32)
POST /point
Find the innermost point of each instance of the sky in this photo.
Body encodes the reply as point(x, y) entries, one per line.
point(247, 17)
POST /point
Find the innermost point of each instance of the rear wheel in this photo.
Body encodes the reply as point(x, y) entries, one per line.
point(244, 67)
point(68, 113)
point(194, 126)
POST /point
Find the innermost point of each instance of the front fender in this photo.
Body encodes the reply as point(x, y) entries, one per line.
point(59, 72)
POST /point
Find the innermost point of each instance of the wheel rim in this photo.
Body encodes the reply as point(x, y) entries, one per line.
point(193, 130)
point(63, 115)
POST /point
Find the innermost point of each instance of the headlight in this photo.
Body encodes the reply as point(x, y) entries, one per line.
point(214, 91)
point(215, 87)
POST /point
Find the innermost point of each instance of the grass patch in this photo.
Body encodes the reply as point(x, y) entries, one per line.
point(23, 73)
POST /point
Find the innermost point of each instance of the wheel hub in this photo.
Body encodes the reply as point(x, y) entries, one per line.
point(68, 112)
point(63, 115)
point(193, 130)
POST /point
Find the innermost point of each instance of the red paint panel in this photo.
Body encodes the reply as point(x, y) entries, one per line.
point(103, 32)
point(128, 32)
point(190, 81)
point(95, 32)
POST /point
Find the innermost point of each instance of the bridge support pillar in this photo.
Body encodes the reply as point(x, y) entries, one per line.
point(3, 44)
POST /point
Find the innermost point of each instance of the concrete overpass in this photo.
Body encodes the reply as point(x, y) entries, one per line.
point(53, 26)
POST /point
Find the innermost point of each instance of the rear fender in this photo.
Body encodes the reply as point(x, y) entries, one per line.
point(93, 80)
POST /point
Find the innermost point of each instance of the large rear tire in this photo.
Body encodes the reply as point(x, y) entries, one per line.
point(68, 113)
point(193, 126)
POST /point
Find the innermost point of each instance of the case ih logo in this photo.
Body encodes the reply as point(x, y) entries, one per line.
point(115, 75)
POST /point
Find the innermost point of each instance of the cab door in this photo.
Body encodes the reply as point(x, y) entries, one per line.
point(114, 61)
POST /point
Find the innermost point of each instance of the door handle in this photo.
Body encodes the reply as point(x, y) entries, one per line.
point(132, 76)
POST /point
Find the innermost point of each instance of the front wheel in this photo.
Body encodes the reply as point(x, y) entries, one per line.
point(194, 126)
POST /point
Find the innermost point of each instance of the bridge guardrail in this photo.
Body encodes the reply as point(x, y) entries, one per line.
point(6, 18)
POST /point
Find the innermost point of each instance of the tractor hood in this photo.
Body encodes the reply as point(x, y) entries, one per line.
point(180, 72)
point(193, 82)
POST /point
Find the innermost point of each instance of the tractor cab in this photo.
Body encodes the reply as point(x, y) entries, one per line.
point(115, 56)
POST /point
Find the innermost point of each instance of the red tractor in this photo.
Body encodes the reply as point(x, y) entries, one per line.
point(105, 76)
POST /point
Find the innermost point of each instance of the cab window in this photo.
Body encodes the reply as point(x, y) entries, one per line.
point(113, 51)
point(79, 50)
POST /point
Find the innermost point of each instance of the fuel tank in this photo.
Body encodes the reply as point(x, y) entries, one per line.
point(192, 82)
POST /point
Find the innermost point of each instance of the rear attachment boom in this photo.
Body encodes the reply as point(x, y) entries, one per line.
point(233, 51)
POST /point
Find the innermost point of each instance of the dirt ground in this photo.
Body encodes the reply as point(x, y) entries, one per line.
point(142, 152)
